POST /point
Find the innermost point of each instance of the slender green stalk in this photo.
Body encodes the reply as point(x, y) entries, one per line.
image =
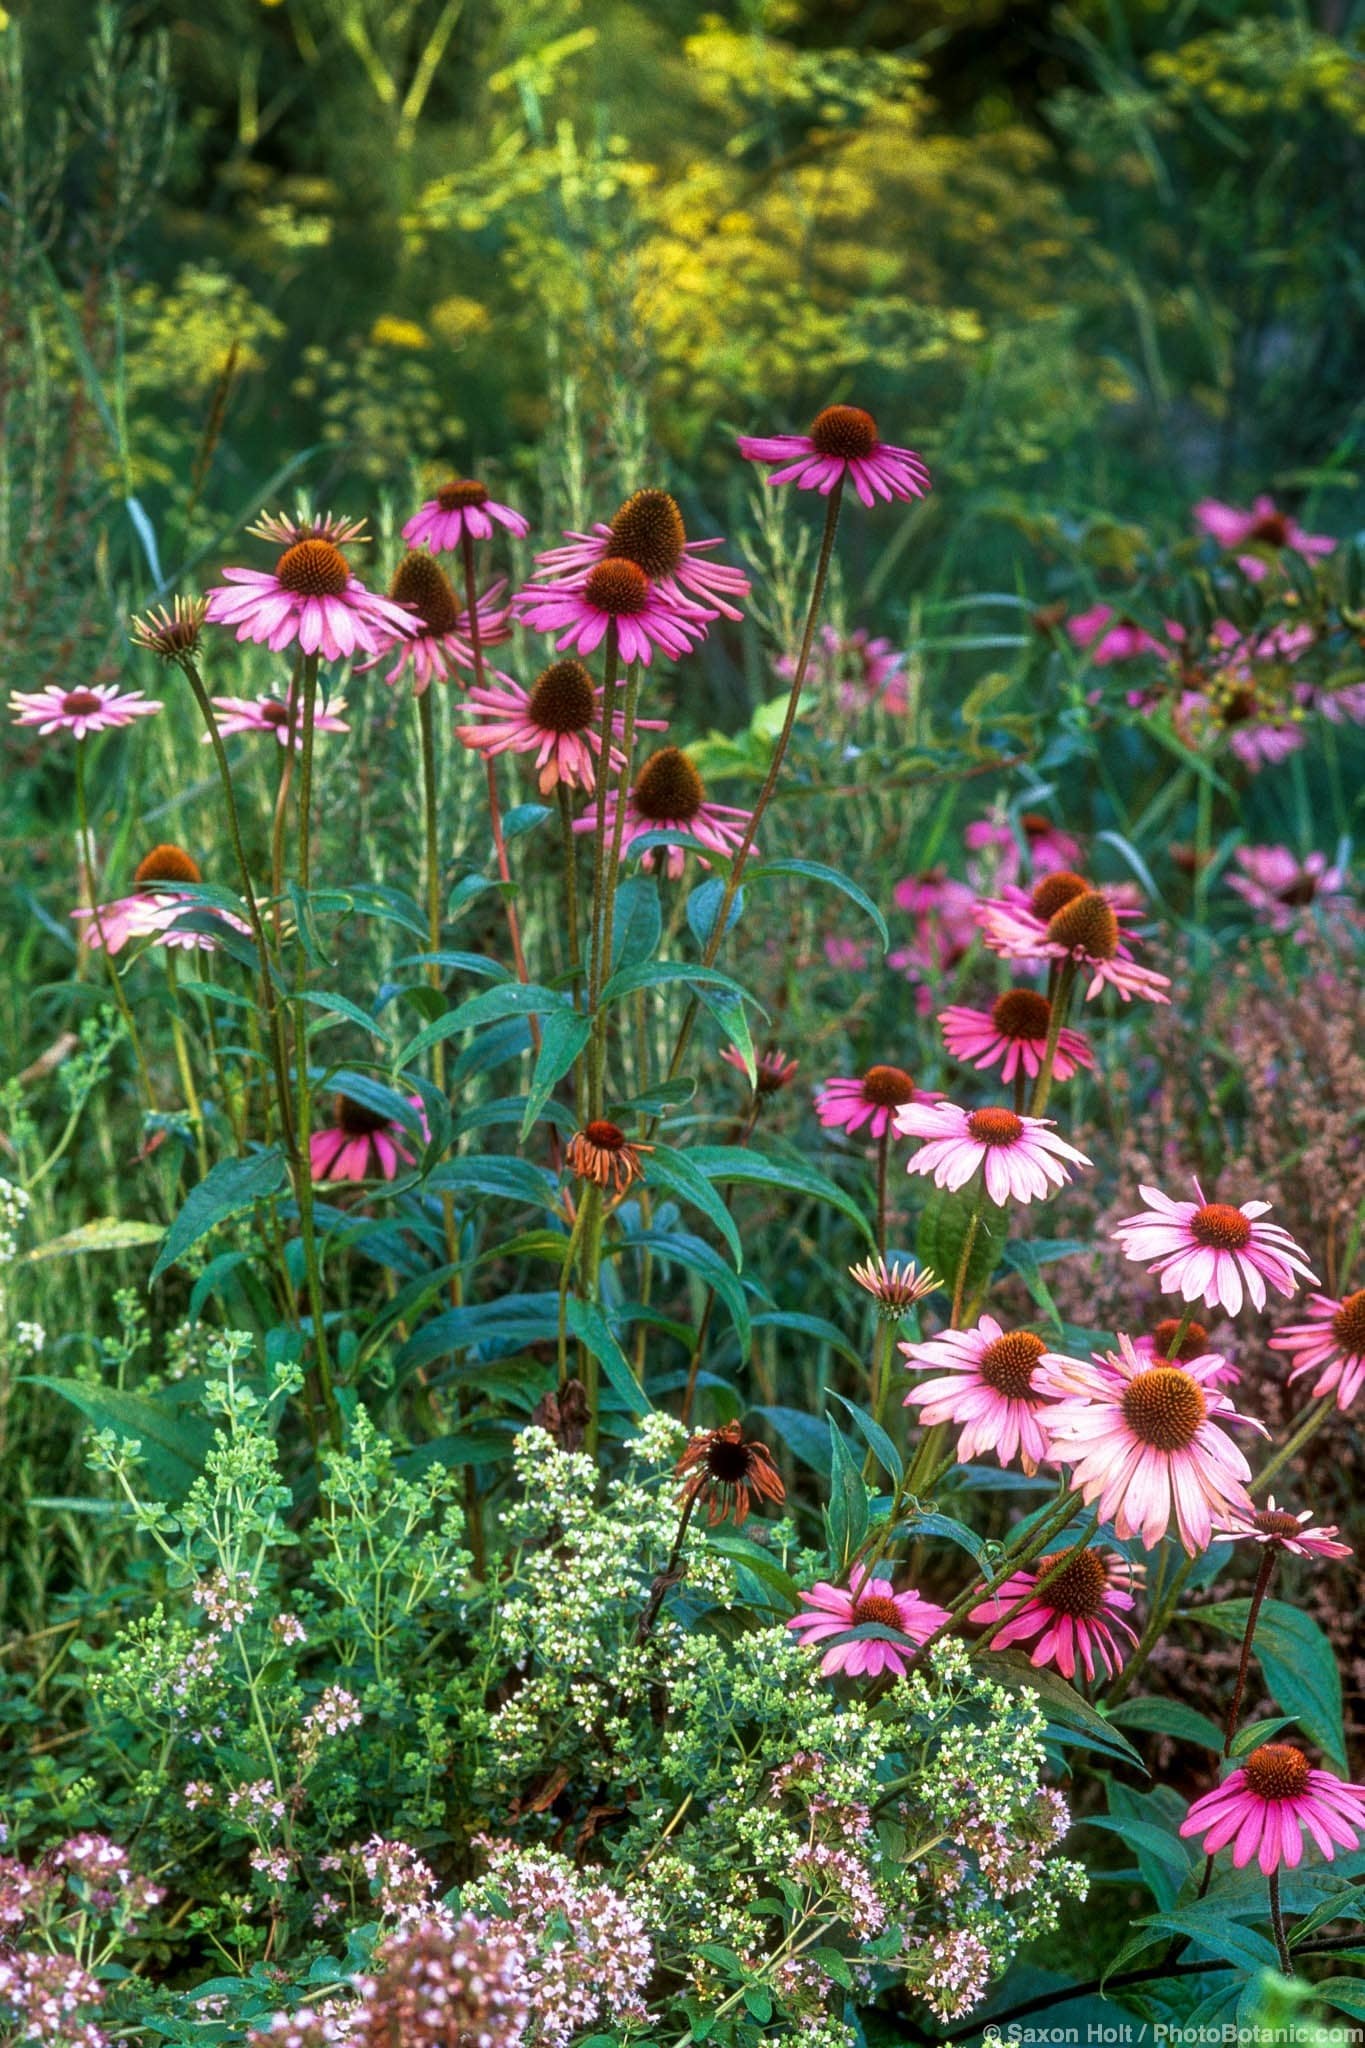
point(1311, 1423)
point(1061, 1003)
point(184, 1066)
point(86, 857)
point(1160, 1615)
point(879, 1390)
point(570, 869)
point(599, 848)
point(597, 1069)
point(1277, 1924)
point(471, 599)
point(1259, 1591)
point(566, 1286)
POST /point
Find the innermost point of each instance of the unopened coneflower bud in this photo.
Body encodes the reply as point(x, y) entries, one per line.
point(602, 1153)
point(773, 1071)
point(171, 635)
point(895, 1284)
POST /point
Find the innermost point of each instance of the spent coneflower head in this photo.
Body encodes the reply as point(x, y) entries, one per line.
point(1276, 1528)
point(648, 530)
point(773, 1071)
point(1145, 1438)
point(729, 1473)
point(601, 1152)
point(97, 707)
point(670, 796)
point(558, 720)
point(1263, 1807)
point(1021, 1157)
point(842, 442)
point(1072, 1620)
point(310, 596)
point(1331, 1344)
point(847, 1102)
point(460, 507)
point(895, 1284)
point(1211, 1251)
point(172, 635)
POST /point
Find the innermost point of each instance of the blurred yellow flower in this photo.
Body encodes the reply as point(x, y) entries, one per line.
point(389, 331)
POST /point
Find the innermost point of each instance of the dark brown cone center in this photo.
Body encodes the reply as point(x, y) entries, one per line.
point(1277, 1771)
point(845, 431)
point(1079, 1588)
point(1056, 889)
point(876, 1607)
point(1348, 1324)
point(1165, 1408)
point(1007, 1364)
point(1300, 893)
point(727, 1462)
point(995, 1126)
point(273, 712)
point(618, 587)
point(1221, 1227)
point(459, 492)
point(563, 698)
point(888, 1087)
point(80, 703)
point(1087, 925)
point(668, 788)
point(167, 864)
point(421, 584)
point(356, 1120)
point(1191, 1344)
point(1272, 531)
point(1275, 1522)
point(313, 568)
point(648, 531)
point(1022, 1013)
point(606, 1136)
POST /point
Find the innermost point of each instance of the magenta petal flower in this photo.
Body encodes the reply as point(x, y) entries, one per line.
point(460, 507)
point(1142, 1437)
point(1212, 1252)
point(154, 915)
point(100, 708)
point(993, 1384)
point(1263, 1808)
point(842, 442)
point(1074, 1620)
point(670, 796)
point(1021, 1156)
point(871, 1098)
point(833, 1610)
point(273, 715)
point(1283, 889)
point(1277, 1527)
point(438, 639)
point(618, 592)
point(1085, 927)
point(863, 670)
point(361, 1144)
point(648, 530)
point(1109, 637)
point(558, 721)
point(309, 596)
point(1331, 1344)
point(1264, 527)
point(1013, 1034)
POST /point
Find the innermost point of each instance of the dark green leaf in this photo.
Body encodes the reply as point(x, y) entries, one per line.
point(726, 1163)
point(490, 1006)
point(637, 922)
point(944, 1227)
point(1299, 1665)
point(1072, 1717)
point(1169, 1717)
point(589, 1326)
point(703, 908)
point(232, 1185)
point(802, 1434)
point(173, 1447)
point(494, 1173)
point(674, 1170)
point(874, 1436)
point(563, 1037)
point(847, 1514)
point(816, 871)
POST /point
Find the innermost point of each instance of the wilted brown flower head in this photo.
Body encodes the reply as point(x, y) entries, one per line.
point(729, 1473)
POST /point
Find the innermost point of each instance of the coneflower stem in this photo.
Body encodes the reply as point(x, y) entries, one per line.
point(599, 849)
point(471, 601)
point(964, 1258)
point(666, 1578)
point(880, 1382)
point(282, 803)
point(1316, 1415)
point(883, 1161)
point(1151, 1635)
point(570, 884)
point(184, 1068)
point(613, 873)
point(565, 1284)
point(1263, 1578)
point(1061, 1003)
point(746, 845)
point(1277, 1924)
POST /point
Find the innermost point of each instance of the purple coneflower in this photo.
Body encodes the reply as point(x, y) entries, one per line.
point(274, 715)
point(436, 642)
point(154, 908)
point(670, 796)
point(1277, 1528)
point(616, 591)
point(1066, 919)
point(1211, 1251)
point(1013, 1033)
point(648, 530)
point(834, 1610)
point(1073, 1620)
point(1264, 528)
point(1262, 1808)
point(557, 720)
point(1331, 1344)
point(460, 507)
point(993, 1383)
point(602, 1153)
point(310, 596)
point(1022, 1156)
point(362, 1144)
point(102, 707)
point(848, 1102)
point(1281, 888)
point(729, 1473)
point(842, 442)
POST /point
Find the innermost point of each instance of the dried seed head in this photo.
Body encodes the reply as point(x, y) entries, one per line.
point(420, 583)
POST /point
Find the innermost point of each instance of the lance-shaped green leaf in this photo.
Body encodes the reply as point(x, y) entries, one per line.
point(726, 1163)
point(233, 1185)
point(563, 1037)
point(590, 1327)
point(816, 871)
point(490, 1006)
point(1299, 1664)
point(674, 1171)
point(173, 1447)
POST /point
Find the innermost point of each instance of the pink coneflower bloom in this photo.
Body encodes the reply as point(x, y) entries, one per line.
point(1331, 1344)
point(864, 671)
point(1264, 527)
point(436, 642)
point(154, 908)
point(617, 591)
point(1074, 1619)
point(1281, 887)
point(101, 708)
point(1065, 919)
point(1142, 1437)
point(846, 956)
point(842, 442)
point(847, 1103)
point(895, 1284)
point(557, 720)
point(648, 530)
point(360, 1144)
point(1109, 637)
point(670, 796)
point(993, 1385)
point(1049, 847)
point(1263, 1808)
point(1194, 1344)
point(310, 596)
point(773, 1069)
point(273, 714)
point(1295, 1533)
point(833, 1610)
point(1022, 1156)
point(1336, 705)
point(460, 507)
point(1014, 1030)
point(1210, 1251)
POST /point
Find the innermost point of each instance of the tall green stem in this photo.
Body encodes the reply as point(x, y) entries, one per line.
point(1311, 1423)
point(1258, 1593)
point(471, 599)
point(86, 858)
point(597, 1070)
point(1061, 1003)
